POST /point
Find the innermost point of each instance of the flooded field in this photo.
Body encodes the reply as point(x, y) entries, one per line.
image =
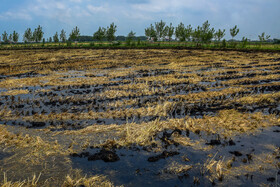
point(139, 118)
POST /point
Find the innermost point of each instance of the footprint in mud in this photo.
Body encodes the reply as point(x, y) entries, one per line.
point(103, 154)
point(271, 179)
point(214, 142)
point(236, 153)
point(163, 155)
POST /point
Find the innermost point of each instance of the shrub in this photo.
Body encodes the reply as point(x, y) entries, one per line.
point(244, 42)
point(69, 43)
point(224, 43)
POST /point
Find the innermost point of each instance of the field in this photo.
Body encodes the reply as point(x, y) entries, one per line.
point(238, 45)
point(157, 117)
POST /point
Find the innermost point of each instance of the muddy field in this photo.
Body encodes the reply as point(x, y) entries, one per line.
point(139, 118)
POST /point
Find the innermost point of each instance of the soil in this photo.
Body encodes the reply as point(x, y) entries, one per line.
point(141, 117)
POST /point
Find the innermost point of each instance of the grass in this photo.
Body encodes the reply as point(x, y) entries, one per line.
point(72, 180)
point(146, 45)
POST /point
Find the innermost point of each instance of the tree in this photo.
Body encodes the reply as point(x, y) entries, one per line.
point(219, 34)
point(196, 34)
point(55, 38)
point(183, 33)
point(150, 33)
point(170, 31)
point(10, 37)
point(130, 37)
point(161, 30)
point(74, 35)
point(27, 37)
point(206, 32)
point(5, 37)
point(63, 36)
point(50, 39)
point(234, 31)
point(188, 32)
point(110, 33)
point(15, 37)
point(38, 34)
point(180, 32)
point(263, 38)
point(100, 34)
point(44, 41)
point(244, 42)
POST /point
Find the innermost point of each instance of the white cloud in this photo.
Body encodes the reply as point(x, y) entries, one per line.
point(18, 15)
point(76, 1)
point(97, 9)
point(249, 15)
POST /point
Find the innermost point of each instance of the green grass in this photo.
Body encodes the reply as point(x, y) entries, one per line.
point(147, 45)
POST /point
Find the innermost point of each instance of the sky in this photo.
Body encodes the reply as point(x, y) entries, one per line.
point(251, 16)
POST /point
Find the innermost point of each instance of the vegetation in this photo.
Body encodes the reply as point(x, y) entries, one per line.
point(74, 34)
point(5, 37)
point(130, 37)
point(234, 31)
point(156, 36)
point(100, 34)
point(263, 38)
point(182, 33)
point(110, 32)
point(150, 33)
point(62, 36)
point(55, 38)
point(170, 31)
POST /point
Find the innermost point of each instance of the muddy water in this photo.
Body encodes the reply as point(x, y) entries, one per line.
point(135, 169)
point(144, 166)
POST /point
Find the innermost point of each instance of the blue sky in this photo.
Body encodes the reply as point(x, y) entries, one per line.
point(252, 16)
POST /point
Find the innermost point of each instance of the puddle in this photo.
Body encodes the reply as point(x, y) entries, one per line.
point(134, 167)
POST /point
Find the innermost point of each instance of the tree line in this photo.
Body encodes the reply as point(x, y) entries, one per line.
point(159, 31)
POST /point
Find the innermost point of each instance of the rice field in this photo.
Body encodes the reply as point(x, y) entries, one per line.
point(162, 117)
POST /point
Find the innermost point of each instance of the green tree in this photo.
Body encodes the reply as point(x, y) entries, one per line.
point(55, 38)
point(74, 35)
point(5, 37)
point(10, 37)
point(219, 34)
point(150, 33)
point(183, 33)
point(15, 37)
point(180, 32)
point(130, 37)
point(244, 42)
point(110, 32)
point(27, 37)
point(44, 41)
point(50, 39)
point(63, 36)
point(207, 33)
point(263, 38)
point(161, 30)
point(100, 34)
point(170, 31)
point(196, 35)
point(234, 31)
point(188, 32)
point(38, 34)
